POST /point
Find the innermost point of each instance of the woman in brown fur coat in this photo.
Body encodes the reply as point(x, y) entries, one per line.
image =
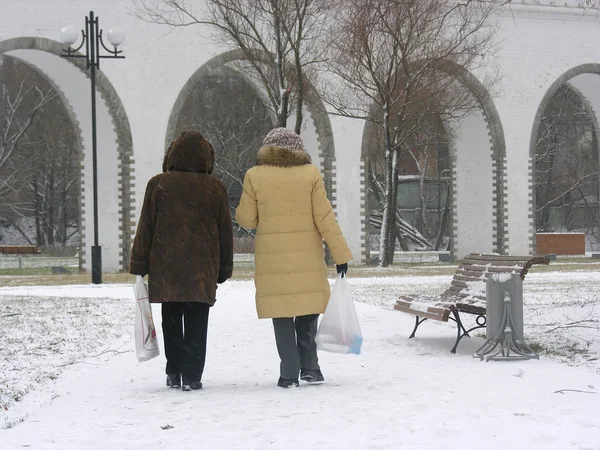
point(184, 242)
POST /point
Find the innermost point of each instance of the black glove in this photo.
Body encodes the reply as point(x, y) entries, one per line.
point(221, 279)
point(342, 269)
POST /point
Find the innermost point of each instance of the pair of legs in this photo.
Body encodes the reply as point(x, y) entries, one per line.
point(185, 349)
point(295, 338)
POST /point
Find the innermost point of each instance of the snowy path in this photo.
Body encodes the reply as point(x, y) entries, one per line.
point(398, 394)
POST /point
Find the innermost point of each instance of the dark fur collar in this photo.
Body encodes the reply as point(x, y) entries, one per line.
point(281, 157)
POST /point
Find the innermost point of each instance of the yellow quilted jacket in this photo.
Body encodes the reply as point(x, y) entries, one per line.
point(284, 199)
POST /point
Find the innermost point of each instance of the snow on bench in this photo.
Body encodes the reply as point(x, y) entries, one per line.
point(467, 291)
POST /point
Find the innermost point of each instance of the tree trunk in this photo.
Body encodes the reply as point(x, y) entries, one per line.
point(444, 221)
point(299, 98)
point(300, 88)
point(387, 242)
point(423, 210)
point(39, 237)
point(401, 239)
point(548, 186)
point(50, 204)
point(404, 230)
point(65, 213)
point(284, 94)
point(18, 228)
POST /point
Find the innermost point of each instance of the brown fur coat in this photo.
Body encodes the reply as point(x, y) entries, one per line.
point(184, 240)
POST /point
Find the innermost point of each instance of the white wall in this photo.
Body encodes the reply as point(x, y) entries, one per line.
point(473, 187)
point(537, 45)
point(349, 203)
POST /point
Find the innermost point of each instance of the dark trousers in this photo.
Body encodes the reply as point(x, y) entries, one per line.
point(295, 338)
point(185, 349)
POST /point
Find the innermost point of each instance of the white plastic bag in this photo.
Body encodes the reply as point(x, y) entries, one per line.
point(146, 344)
point(339, 330)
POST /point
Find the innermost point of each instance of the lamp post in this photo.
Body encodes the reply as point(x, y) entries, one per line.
point(92, 41)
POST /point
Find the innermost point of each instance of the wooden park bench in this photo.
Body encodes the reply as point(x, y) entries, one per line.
point(19, 250)
point(467, 291)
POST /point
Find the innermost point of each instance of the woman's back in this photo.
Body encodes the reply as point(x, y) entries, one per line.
point(285, 200)
point(184, 239)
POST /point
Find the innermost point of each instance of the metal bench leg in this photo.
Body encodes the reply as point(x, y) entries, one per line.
point(459, 323)
point(481, 321)
point(459, 329)
point(417, 323)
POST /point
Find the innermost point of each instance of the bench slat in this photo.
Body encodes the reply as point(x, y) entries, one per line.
point(470, 273)
point(428, 315)
point(489, 257)
point(470, 309)
point(458, 283)
point(494, 268)
point(485, 265)
point(470, 279)
point(431, 304)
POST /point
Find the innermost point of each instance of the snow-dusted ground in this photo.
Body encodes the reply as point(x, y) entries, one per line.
point(400, 393)
point(31, 262)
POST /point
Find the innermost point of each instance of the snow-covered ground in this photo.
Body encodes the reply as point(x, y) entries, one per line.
point(66, 355)
point(31, 262)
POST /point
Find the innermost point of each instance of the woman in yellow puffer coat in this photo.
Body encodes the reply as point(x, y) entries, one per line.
point(284, 198)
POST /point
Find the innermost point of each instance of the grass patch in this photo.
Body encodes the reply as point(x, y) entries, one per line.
point(44, 276)
point(567, 351)
point(244, 270)
point(30, 271)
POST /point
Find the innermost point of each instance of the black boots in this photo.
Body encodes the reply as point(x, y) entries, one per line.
point(312, 376)
point(189, 385)
point(174, 380)
point(286, 384)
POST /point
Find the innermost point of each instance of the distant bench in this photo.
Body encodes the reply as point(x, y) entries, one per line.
point(467, 291)
point(19, 250)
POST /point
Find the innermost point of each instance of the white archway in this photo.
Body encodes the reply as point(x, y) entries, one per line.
point(115, 156)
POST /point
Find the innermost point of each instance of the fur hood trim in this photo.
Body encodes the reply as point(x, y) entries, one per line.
point(270, 155)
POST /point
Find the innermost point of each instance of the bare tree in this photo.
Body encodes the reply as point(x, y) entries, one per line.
point(277, 38)
point(235, 133)
point(18, 110)
point(566, 166)
point(590, 4)
point(398, 64)
point(585, 4)
point(39, 167)
point(423, 148)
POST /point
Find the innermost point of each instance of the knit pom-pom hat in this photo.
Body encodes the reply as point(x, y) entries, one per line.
point(284, 138)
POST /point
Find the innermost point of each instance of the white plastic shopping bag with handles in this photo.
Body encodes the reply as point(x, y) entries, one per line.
point(146, 344)
point(339, 330)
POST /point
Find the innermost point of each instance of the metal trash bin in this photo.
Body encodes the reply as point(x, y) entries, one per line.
point(497, 287)
point(504, 325)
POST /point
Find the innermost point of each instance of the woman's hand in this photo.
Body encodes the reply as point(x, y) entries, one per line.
point(342, 269)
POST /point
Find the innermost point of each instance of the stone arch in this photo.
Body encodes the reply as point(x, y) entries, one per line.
point(122, 130)
point(592, 68)
point(220, 71)
point(495, 141)
point(79, 147)
point(313, 102)
point(591, 97)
